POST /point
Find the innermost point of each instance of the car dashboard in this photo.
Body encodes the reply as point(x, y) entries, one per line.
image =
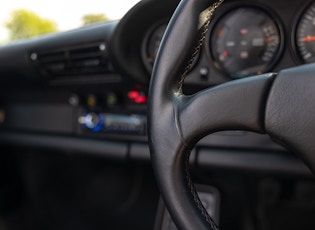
point(84, 93)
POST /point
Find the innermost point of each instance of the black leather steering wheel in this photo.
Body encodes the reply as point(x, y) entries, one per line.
point(281, 105)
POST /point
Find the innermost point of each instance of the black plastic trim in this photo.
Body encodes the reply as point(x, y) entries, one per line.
point(253, 161)
point(113, 150)
point(207, 158)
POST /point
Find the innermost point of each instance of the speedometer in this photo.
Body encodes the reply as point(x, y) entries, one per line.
point(245, 41)
point(305, 35)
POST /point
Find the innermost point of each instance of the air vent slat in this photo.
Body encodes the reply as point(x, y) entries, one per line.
point(53, 57)
point(88, 63)
point(56, 67)
point(85, 55)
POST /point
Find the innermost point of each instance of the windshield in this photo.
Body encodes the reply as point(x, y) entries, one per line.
point(20, 19)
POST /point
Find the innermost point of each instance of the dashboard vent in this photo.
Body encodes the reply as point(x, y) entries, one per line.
point(73, 62)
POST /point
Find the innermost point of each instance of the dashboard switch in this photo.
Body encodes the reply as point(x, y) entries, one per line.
point(204, 73)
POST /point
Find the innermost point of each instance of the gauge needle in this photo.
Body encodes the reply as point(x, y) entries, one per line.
point(225, 54)
point(268, 40)
point(309, 39)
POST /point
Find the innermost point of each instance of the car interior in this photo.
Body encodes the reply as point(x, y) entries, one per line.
point(95, 135)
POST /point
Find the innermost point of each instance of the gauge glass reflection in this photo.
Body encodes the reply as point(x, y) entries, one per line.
point(153, 43)
point(246, 41)
point(305, 35)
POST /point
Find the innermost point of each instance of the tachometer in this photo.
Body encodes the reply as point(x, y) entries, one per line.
point(305, 35)
point(245, 41)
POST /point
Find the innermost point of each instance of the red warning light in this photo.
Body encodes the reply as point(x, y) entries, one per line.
point(133, 95)
point(137, 97)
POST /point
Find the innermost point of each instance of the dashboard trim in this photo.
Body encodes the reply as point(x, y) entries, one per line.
point(208, 158)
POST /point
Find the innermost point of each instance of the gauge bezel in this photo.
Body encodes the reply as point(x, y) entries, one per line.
point(297, 57)
point(145, 43)
point(226, 9)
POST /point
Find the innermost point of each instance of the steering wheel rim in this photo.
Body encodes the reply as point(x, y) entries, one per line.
point(263, 104)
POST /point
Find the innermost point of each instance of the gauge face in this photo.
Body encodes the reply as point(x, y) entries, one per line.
point(305, 35)
point(246, 41)
point(153, 44)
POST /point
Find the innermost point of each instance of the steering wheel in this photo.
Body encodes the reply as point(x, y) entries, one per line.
point(281, 105)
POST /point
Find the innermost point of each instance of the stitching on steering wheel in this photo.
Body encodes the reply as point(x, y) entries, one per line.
point(204, 29)
point(195, 195)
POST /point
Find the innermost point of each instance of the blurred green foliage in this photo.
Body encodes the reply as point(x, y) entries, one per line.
point(26, 24)
point(93, 18)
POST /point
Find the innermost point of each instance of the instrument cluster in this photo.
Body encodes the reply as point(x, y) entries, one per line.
point(245, 40)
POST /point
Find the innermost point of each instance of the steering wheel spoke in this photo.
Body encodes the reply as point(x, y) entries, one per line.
point(238, 105)
point(290, 111)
